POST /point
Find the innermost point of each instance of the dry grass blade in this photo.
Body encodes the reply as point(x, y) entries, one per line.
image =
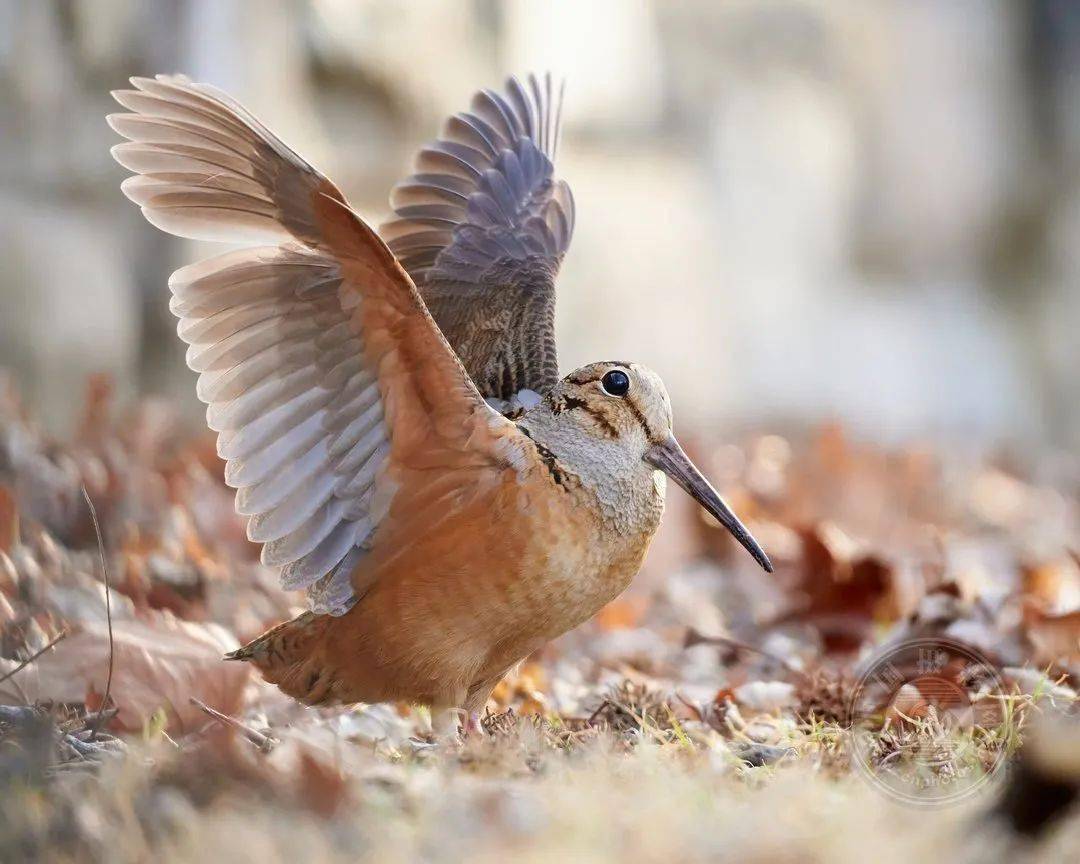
point(264, 742)
point(694, 637)
point(108, 611)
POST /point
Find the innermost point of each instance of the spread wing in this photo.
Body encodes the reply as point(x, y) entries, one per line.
point(324, 375)
point(482, 227)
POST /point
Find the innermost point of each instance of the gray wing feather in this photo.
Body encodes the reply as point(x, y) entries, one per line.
point(270, 330)
point(482, 227)
point(299, 418)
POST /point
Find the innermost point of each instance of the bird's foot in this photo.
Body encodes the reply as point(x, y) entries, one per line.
point(456, 725)
point(471, 725)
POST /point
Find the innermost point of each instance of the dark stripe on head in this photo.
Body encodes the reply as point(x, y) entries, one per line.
point(549, 459)
point(629, 400)
point(571, 402)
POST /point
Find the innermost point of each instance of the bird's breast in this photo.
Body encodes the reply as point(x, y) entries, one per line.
point(495, 579)
point(582, 553)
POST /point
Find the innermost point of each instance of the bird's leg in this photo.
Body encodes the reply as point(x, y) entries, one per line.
point(446, 715)
point(471, 725)
point(475, 703)
point(444, 723)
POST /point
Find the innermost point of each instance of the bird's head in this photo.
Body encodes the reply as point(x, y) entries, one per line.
point(624, 409)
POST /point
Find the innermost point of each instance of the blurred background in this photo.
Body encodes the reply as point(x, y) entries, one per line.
point(794, 210)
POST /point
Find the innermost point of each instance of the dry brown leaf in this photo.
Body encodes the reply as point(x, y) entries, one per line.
point(97, 405)
point(845, 589)
point(321, 785)
point(159, 663)
point(1054, 638)
point(1054, 585)
point(9, 576)
point(623, 613)
point(522, 688)
point(9, 519)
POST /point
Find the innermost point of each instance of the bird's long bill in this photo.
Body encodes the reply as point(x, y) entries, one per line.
point(670, 458)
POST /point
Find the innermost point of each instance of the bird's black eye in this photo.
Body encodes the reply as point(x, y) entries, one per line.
point(615, 383)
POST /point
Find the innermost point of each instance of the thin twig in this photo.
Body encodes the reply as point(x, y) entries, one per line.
point(264, 742)
point(57, 638)
point(697, 709)
point(695, 637)
point(592, 717)
point(108, 609)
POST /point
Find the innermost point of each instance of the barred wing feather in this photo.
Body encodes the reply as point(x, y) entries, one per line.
point(323, 373)
point(482, 227)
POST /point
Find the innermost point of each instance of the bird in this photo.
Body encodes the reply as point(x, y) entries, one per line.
point(388, 403)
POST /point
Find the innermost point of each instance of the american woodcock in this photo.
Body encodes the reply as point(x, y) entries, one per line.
point(439, 540)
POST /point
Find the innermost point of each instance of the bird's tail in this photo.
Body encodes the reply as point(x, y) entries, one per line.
point(293, 656)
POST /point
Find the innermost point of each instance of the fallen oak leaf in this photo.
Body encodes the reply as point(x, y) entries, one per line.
point(159, 662)
point(758, 755)
point(845, 589)
point(735, 646)
point(523, 687)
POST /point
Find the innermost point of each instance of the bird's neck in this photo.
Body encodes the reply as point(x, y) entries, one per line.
point(626, 492)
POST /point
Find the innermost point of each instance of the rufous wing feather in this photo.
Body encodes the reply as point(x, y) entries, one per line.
point(329, 384)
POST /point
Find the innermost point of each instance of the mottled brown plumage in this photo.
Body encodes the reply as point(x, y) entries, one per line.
point(439, 542)
point(457, 597)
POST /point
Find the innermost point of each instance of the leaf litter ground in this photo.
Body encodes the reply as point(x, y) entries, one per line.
point(707, 715)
